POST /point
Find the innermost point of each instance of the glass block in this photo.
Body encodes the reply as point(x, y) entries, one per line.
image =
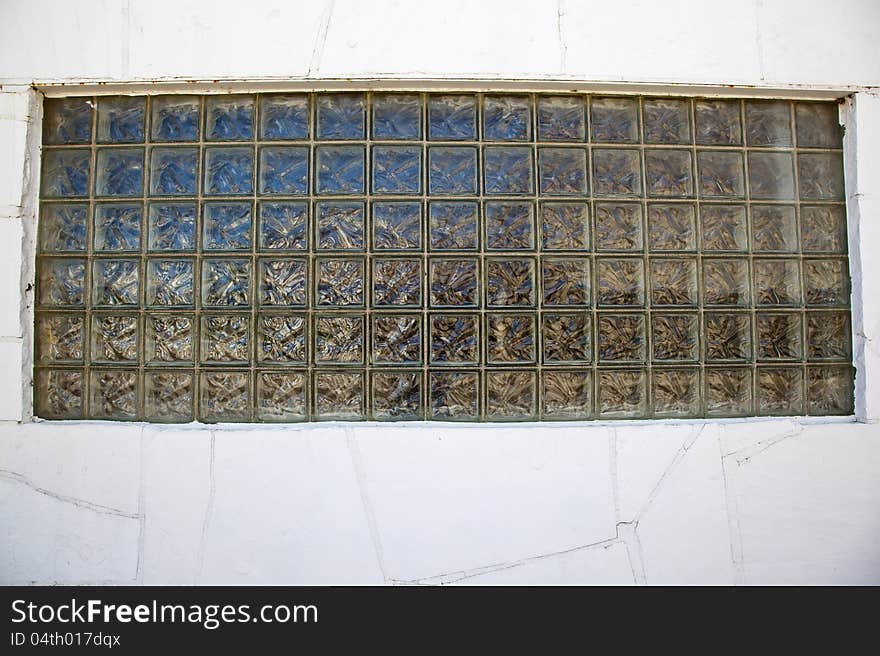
point(774, 229)
point(339, 339)
point(455, 338)
point(667, 120)
point(229, 118)
point(669, 172)
point(283, 226)
point(452, 118)
point(728, 336)
point(616, 172)
point(674, 337)
point(58, 393)
point(339, 396)
point(170, 282)
point(830, 390)
point(820, 176)
point(718, 122)
point(452, 171)
point(65, 173)
point(341, 116)
point(119, 172)
point(676, 392)
point(777, 282)
point(673, 282)
point(619, 227)
point(397, 169)
point(340, 226)
point(227, 226)
point(62, 281)
point(283, 281)
point(828, 336)
point(508, 170)
point(566, 338)
point(281, 338)
point(454, 225)
point(818, 125)
point(672, 227)
point(726, 282)
point(281, 396)
point(397, 117)
point(510, 338)
point(225, 339)
point(229, 170)
point(510, 395)
point(778, 336)
point(113, 395)
point(114, 338)
point(565, 281)
point(454, 395)
point(397, 226)
point(510, 282)
point(115, 282)
point(121, 119)
point(780, 391)
point(284, 117)
point(620, 282)
point(224, 396)
point(118, 226)
point(67, 120)
point(615, 120)
point(721, 174)
point(397, 339)
point(510, 225)
point(507, 118)
point(823, 228)
point(168, 396)
point(169, 338)
point(226, 282)
point(622, 394)
point(284, 170)
point(728, 392)
point(174, 171)
point(63, 227)
point(768, 123)
point(454, 282)
point(826, 282)
point(561, 118)
point(60, 338)
point(397, 395)
point(562, 171)
point(340, 282)
point(172, 227)
point(724, 227)
point(175, 118)
point(397, 282)
point(771, 175)
point(621, 338)
point(340, 169)
point(565, 226)
point(566, 394)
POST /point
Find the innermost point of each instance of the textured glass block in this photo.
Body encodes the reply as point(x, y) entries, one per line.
point(121, 119)
point(168, 396)
point(768, 123)
point(728, 336)
point(771, 175)
point(63, 227)
point(454, 396)
point(229, 118)
point(674, 337)
point(61, 281)
point(58, 393)
point(397, 339)
point(669, 172)
point(830, 390)
point(340, 226)
point(170, 282)
point(119, 172)
point(339, 396)
point(508, 170)
point(281, 396)
point(673, 282)
point(173, 171)
point(226, 282)
point(507, 118)
point(562, 171)
point(672, 227)
point(676, 392)
point(225, 339)
point(818, 125)
point(510, 282)
point(340, 169)
point(67, 120)
point(510, 338)
point(720, 174)
point(397, 169)
point(172, 227)
point(718, 122)
point(340, 282)
point(561, 118)
point(566, 394)
point(510, 225)
point(774, 229)
point(169, 338)
point(281, 338)
point(667, 121)
point(726, 282)
point(455, 338)
point(780, 391)
point(620, 282)
point(227, 226)
point(566, 338)
point(565, 281)
point(113, 395)
point(283, 282)
point(115, 282)
point(510, 395)
point(454, 225)
point(118, 226)
point(65, 173)
point(283, 226)
point(826, 282)
point(229, 170)
point(397, 226)
point(397, 117)
point(778, 336)
point(823, 228)
point(114, 338)
point(619, 227)
point(397, 282)
point(284, 117)
point(60, 338)
point(622, 394)
point(454, 282)
point(452, 118)
point(616, 172)
point(339, 339)
point(724, 227)
point(175, 118)
point(621, 338)
point(284, 170)
point(828, 336)
point(341, 116)
point(565, 226)
point(820, 176)
point(452, 171)
point(728, 392)
point(224, 396)
point(615, 120)
point(397, 395)
point(777, 282)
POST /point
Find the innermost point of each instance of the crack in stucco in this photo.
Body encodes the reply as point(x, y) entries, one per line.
point(369, 515)
point(744, 456)
point(560, 33)
point(734, 528)
point(209, 511)
point(142, 504)
point(320, 39)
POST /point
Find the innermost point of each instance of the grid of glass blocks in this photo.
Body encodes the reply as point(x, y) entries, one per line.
point(447, 256)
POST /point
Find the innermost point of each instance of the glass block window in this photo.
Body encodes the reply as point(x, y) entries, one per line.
point(402, 256)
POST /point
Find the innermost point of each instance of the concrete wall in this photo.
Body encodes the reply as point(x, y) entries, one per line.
point(747, 501)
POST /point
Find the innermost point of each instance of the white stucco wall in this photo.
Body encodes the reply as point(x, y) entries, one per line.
point(749, 501)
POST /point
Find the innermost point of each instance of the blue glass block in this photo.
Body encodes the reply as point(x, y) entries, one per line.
point(62, 281)
point(283, 281)
point(173, 171)
point(452, 118)
point(510, 225)
point(284, 117)
point(340, 226)
point(65, 173)
point(397, 169)
point(172, 227)
point(67, 120)
point(507, 118)
point(563, 171)
point(284, 170)
point(170, 282)
point(120, 172)
point(175, 118)
point(229, 171)
point(397, 226)
point(115, 282)
point(341, 116)
point(561, 118)
point(283, 226)
point(397, 117)
point(226, 282)
point(340, 169)
point(508, 170)
point(227, 226)
point(229, 118)
point(452, 171)
point(118, 226)
point(121, 120)
point(453, 225)
point(63, 227)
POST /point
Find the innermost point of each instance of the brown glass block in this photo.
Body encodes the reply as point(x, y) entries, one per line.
point(224, 396)
point(778, 336)
point(226, 282)
point(566, 394)
point(676, 392)
point(622, 394)
point(225, 339)
point(510, 395)
point(113, 394)
point(777, 282)
point(614, 120)
point(728, 392)
point(454, 225)
point(620, 282)
point(830, 390)
point(667, 120)
point(724, 227)
point(619, 227)
point(774, 229)
point(820, 176)
point(616, 172)
point(826, 282)
point(780, 391)
point(669, 172)
point(721, 174)
point(727, 335)
point(823, 228)
point(768, 123)
point(283, 282)
point(818, 125)
point(340, 282)
point(60, 337)
point(565, 281)
point(771, 175)
point(562, 171)
point(671, 227)
point(170, 282)
point(566, 338)
point(114, 338)
point(828, 336)
point(168, 396)
point(339, 395)
point(453, 282)
point(674, 337)
point(397, 339)
point(621, 338)
point(281, 396)
point(281, 338)
point(397, 282)
point(58, 393)
point(510, 225)
point(169, 338)
point(510, 338)
point(718, 122)
point(397, 395)
point(510, 281)
point(726, 282)
point(455, 338)
point(454, 395)
point(673, 282)
point(115, 282)
point(561, 118)
point(565, 226)
point(339, 339)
